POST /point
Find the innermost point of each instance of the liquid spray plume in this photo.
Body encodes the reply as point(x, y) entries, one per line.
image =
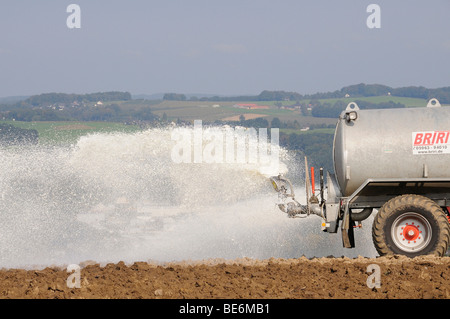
point(117, 196)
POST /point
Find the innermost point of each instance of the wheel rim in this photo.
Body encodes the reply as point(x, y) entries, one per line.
point(411, 232)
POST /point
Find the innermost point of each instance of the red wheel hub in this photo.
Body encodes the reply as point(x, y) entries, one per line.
point(411, 232)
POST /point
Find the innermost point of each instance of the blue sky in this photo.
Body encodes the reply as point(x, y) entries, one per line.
point(222, 47)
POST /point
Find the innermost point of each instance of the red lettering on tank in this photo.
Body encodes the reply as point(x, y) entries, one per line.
point(431, 138)
point(440, 137)
point(426, 139)
point(434, 137)
point(418, 139)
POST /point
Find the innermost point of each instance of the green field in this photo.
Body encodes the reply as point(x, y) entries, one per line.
point(218, 111)
point(69, 132)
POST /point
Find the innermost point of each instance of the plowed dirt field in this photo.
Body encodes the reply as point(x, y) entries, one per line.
point(302, 278)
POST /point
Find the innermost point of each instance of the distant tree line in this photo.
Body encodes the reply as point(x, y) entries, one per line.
point(174, 97)
point(12, 135)
point(46, 99)
point(263, 96)
point(328, 110)
point(47, 107)
point(357, 90)
point(108, 113)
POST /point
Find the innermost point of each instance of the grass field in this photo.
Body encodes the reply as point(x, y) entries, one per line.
point(217, 111)
point(70, 132)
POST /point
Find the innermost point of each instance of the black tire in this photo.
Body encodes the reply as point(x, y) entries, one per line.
point(411, 225)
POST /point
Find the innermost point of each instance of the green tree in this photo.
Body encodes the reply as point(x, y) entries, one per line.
point(276, 123)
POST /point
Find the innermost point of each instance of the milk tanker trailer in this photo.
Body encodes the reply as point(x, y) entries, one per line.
point(394, 163)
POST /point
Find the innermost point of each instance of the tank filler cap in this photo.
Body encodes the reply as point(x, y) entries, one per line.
point(350, 112)
point(433, 103)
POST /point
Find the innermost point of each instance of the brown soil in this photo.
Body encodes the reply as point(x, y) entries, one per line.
point(318, 278)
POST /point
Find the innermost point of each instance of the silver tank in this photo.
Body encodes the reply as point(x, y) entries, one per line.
point(391, 143)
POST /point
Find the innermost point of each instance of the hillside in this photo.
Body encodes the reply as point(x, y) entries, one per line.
point(306, 122)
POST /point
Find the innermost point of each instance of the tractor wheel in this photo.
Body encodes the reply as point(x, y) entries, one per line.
point(411, 225)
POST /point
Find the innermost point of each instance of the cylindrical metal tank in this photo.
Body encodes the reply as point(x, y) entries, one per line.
point(391, 143)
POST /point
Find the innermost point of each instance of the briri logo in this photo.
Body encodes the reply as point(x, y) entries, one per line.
point(431, 142)
point(431, 138)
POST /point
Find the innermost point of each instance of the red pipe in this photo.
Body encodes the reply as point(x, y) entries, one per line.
point(312, 180)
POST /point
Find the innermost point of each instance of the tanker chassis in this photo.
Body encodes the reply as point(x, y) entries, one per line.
point(393, 161)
